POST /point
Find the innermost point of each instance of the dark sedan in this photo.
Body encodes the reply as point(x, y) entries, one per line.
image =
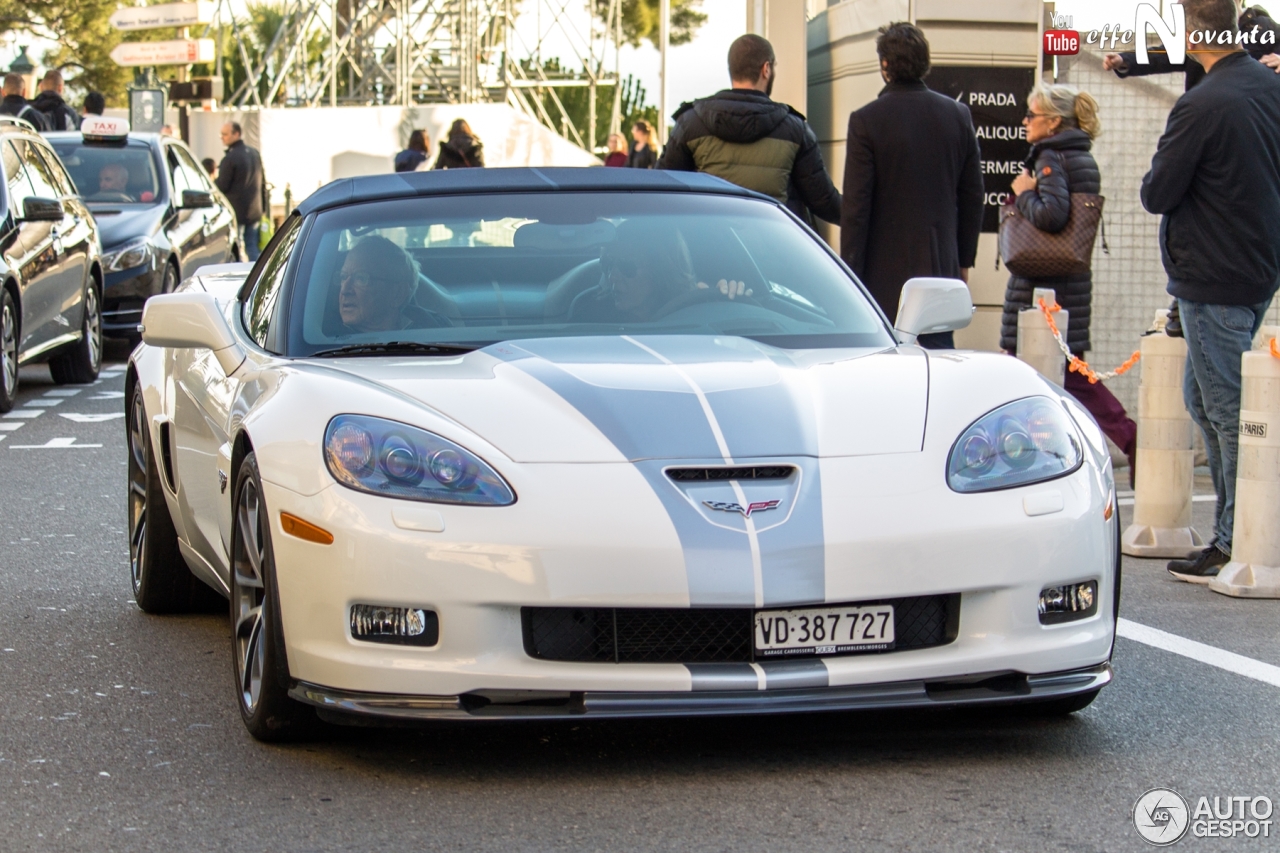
point(159, 214)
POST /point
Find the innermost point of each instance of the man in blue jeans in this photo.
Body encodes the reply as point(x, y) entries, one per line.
point(1215, 177)
point(241, 181)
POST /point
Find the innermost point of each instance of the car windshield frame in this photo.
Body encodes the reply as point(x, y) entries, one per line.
point(75, 142)
point(872, 330)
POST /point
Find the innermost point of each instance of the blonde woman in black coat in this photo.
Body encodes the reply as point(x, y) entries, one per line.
point(1061, 124)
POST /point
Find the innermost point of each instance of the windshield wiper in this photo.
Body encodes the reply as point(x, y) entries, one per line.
point(395, 348)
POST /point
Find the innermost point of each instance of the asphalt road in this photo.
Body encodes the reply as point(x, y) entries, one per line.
point(118, 730)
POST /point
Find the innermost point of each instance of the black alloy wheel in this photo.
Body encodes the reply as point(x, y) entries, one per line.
point(170, 281)
point(80, 364)
point(257, 639)
point(159, 576)
point(8, 350)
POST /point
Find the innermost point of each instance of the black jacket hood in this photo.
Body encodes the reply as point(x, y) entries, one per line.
point(47, 100)
point(740, 115)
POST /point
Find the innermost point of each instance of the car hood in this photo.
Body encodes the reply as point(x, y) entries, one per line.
point(131, 221)
point(716, 399)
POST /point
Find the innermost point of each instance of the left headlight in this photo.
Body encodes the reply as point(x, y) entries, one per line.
point(396, 460)
point(135, 253)
point(1026, 441)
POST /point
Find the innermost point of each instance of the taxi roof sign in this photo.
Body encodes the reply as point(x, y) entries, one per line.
point(104, 128)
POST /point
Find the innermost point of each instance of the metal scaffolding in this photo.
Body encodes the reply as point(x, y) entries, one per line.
point(410, 52)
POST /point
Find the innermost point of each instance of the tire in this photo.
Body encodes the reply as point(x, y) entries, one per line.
point(8, 350)
point(161, 581)
point(1060, 707)
point(80, 364)
point(259, 661)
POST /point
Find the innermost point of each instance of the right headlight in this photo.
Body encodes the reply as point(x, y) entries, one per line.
point(396, 460)
point(135, 253)
point(1023, 442)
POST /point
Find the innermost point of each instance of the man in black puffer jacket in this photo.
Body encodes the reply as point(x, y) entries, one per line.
point(1215, 179)
point(58, 114)
point(747, 138)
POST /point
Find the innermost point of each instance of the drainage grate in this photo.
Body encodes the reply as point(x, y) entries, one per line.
point(704, 635)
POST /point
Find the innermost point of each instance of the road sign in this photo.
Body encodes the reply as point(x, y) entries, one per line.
point(176, 52)
point(168, 15)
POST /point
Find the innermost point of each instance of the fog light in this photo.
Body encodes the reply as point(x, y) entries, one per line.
point(408, 626)
point(1068, 602)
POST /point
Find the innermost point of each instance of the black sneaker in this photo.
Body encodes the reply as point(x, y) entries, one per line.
point(1201, 568)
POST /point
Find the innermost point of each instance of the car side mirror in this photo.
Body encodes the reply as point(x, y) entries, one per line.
point(196, 199)
point(930, 305)
point(190, 321)
point(37, 209)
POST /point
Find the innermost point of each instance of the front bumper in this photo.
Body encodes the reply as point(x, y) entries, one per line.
point(986, 689)
point(123, 295)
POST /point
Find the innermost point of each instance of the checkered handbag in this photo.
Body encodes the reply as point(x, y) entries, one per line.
point(1031, 253)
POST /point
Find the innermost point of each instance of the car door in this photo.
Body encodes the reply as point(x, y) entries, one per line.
point(217, 224)
point(202, 416)
point(72, 238)
point(29, 249)
point(185, 229)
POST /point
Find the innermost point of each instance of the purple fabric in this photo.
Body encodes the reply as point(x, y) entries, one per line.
point(1106, 410)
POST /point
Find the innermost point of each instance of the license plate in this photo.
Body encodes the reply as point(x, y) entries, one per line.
point(824, 630)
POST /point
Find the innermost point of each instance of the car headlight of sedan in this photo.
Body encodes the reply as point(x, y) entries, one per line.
point(135, 253)
point(1026, 441)
point(396, 460)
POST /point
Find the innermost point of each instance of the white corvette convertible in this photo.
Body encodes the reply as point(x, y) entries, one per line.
point(495, 444)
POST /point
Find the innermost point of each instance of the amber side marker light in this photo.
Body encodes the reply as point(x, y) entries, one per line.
point(295, 526)
point(1111, 508)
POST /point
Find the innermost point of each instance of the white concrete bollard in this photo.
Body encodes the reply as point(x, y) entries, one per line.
point(1036, 344)
point(1165, 479)
point(1254, 570)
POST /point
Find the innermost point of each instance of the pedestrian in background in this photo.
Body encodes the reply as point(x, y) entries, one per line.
point(94, 104)
point(58, 114)
point(241, 181)
point(617, 146)
point(415, 154)
point(15, 102)
point(912, 180)
point(642, 155)
point(1215, 179)
point(745, 137)
point(210, 167)
point(462, 150)
point(1061, 125)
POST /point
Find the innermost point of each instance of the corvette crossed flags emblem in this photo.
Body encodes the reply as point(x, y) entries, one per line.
point(745, 512)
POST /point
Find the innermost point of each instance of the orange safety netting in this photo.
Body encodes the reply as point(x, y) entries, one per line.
point(1079, 365)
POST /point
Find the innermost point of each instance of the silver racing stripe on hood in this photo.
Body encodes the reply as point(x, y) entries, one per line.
point(709, 401)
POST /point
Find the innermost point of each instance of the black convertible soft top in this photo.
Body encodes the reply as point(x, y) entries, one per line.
point(465, 181)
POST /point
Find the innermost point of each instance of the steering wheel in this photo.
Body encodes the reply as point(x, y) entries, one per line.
point(110, 195)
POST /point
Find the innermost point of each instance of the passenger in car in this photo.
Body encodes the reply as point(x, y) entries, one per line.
point(376, 288)
point(113, 178)
point(647, 274)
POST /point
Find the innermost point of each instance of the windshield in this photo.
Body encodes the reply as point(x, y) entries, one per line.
point(475, 270)
point(111, 174)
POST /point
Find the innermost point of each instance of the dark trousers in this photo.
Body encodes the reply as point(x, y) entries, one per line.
point(1106, 410)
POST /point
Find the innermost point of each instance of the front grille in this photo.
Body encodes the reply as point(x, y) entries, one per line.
point(702, 635)
point(741, 472)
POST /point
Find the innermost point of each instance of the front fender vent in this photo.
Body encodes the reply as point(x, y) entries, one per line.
point(737, 472)
point(166, 457)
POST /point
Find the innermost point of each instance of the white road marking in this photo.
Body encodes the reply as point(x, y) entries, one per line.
point(24, 413)
point(702, 398)
point(43, 403)
point(1200, 499)
point(62, 392)
point(9, 427)
point(91, 419)
point(108, 395)
point(53, 444)
point(1212, 655)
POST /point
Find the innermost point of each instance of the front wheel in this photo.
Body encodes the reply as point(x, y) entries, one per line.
point(8, 351)
point(257, 640)
point(80, 364)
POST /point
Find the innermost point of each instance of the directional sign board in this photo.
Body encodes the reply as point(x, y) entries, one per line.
point(176, 52)
point(168, 15)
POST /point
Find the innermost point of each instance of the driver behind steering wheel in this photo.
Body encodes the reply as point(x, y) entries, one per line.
point(113, 179)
